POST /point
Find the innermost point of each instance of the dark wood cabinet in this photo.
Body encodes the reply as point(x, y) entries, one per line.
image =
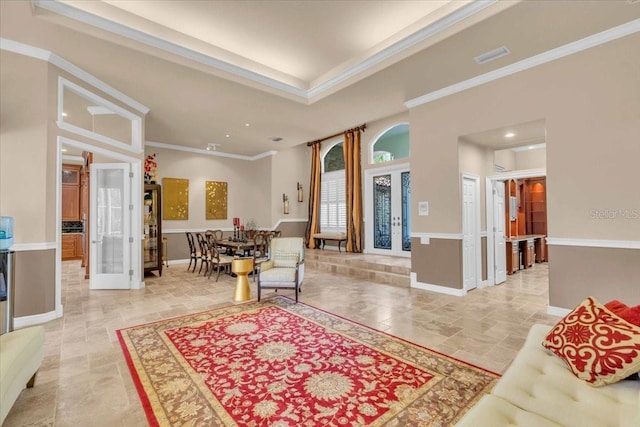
point(152, 216)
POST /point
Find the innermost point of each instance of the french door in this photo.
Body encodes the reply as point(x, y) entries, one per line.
point(499, 235)
point(388, 213)
point(110, 226)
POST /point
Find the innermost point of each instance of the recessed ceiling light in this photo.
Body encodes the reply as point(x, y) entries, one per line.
point(509, 135)
point(531, 147)
point(247, 124)
point(227, 135)
point(276, 139)
point(64, 114)
point(64, 150)
point(492, 54)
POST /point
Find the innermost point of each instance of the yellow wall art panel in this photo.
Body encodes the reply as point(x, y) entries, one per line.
point(216, 195)
point(175, 199)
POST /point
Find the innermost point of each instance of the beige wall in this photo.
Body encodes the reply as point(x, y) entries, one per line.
point(506, 159)
point(248, 187)
point(521, 160)
point(531, 159)
point(287, 168)
point(590, 102)
point(23, 146)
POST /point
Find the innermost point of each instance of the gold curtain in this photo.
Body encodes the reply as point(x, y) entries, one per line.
point(353, 184)
point(313, 225)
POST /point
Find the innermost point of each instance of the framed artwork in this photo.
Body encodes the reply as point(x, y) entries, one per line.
point(175, 199)
point(216, 200)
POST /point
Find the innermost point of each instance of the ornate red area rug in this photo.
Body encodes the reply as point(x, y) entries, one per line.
point(277, 363)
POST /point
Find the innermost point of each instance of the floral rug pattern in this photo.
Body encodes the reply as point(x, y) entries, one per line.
point(277, 363)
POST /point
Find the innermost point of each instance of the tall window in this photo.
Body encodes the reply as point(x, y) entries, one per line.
point(333, 198)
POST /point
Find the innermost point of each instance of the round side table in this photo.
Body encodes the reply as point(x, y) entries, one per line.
point(241, 267)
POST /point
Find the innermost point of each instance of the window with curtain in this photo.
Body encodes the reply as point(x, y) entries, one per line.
point(333, 198)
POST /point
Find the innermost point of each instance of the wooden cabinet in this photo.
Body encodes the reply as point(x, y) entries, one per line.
point(152, 216)
point(513, 257)
point(528, 253)
point(72, 246)
point(71, 193)
point(70, 203)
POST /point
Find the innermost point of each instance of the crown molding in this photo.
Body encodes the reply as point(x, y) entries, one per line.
point(315, 88)
point(207, 152)
point(594, 40)
point(153, 41)
point(400, 46)
point(45, 55)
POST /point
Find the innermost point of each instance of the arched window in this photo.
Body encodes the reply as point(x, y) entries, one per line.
point(333, 198)
point(393, 144)
point(334, 159)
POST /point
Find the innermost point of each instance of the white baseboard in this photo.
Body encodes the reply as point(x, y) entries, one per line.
point(436, 288)
point(36, 319)
point(557, 311)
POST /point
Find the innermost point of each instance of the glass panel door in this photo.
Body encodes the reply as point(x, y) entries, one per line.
point(388, 223)
point(110, 226)
point(382, 212)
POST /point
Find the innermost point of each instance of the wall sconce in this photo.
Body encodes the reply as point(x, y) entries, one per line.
point(300, 196)
point(285, 202)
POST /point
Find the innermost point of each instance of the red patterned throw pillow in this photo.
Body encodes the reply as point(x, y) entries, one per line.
point(598, 346)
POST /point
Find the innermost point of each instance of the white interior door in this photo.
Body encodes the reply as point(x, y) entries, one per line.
point(499, 244)
point(388, 211)
point(110, 226)
point(469, 233)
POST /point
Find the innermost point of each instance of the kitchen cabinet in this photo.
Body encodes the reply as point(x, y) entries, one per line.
point(152, 215)
point(72, 246)
point(71, 193)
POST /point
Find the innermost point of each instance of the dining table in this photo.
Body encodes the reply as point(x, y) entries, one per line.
point(236, 246)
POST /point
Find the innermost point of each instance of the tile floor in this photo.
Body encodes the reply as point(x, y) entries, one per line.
point(84, 380)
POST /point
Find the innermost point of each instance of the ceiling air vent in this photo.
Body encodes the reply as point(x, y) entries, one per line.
point(491, 55)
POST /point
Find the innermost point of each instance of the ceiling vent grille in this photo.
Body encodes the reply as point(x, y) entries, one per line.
point(491, 55)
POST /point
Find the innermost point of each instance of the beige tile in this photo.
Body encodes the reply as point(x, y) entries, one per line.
point(84, 379)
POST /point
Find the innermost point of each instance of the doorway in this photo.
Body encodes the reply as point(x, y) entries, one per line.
point(497, 192)
point(115, 193)
point(388, 211)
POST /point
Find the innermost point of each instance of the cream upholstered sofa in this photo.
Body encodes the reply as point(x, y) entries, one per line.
point(538, 390)
point(21, 354)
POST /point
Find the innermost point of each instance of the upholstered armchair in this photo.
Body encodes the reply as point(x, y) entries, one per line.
point(285, 267)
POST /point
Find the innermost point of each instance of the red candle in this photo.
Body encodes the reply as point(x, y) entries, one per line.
point(242, 228)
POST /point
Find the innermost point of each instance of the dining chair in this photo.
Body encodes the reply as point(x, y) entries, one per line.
point(217, 234)
point(204, 253)
point(194, 254)
point(260, 250)
point(217, 259)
